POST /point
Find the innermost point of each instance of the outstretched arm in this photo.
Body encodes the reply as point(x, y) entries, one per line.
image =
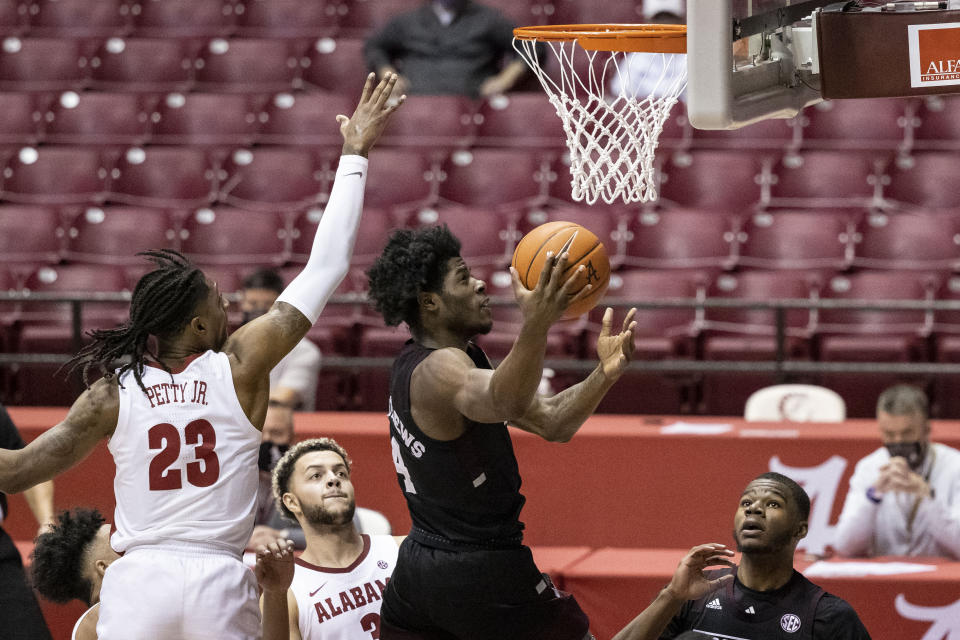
point(260, 344)
point(91, 418)
point(688, 583)
point(558, 418)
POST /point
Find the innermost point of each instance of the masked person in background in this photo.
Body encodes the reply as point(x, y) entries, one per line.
point(904, 498)
point(293, 382)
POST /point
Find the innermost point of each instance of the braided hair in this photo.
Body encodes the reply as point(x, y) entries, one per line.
point(162, 304)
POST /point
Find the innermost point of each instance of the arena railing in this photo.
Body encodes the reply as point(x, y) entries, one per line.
point(780, 365)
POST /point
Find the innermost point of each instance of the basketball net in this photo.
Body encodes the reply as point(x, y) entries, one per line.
point(613, 105)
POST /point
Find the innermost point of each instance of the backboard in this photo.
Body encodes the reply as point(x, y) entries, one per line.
point(750, 60)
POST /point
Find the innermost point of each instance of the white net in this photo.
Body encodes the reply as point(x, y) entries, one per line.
point(613, 105)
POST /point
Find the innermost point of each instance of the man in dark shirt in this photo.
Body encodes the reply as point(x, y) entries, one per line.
point(447, 47)
point(463, 571)
point(20, 615)
point(764, 598)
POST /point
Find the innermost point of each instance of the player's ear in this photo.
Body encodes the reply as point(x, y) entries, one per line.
point(801, 531)
point(101, 567)
point(428, 300)
point(290, 502)
point(198, 325)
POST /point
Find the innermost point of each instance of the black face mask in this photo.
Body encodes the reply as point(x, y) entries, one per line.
point(270, 453)
point(914, 452)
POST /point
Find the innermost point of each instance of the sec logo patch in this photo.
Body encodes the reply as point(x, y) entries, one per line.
point(790, 623)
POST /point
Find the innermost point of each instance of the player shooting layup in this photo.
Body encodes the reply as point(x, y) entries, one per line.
point(183, 419)
point(463, 571)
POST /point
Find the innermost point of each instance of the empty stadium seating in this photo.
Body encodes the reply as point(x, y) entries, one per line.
point(176, 177)
point(78, 18)
point(286, 18)
point(43, 64)
point(247, 65)
point(303, 118)
point(829, 179)
point(920, 180)
point(30, 234)
point(268, 179)
point(491, 177)
point(55, 175)
point(879, 123)
point(95, 119)
point(819, 239)
point(937, 123)
point(519, 120)
point(335, 64)
point(718, 180)
point(215, 235)
point(908, 240)
point(142, 65)
point(675, 239)
point(182, 18)
point(21, 124)
point(205, 119)
point(113, 235)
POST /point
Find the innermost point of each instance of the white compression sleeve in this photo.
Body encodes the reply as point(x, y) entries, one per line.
point(329, 260)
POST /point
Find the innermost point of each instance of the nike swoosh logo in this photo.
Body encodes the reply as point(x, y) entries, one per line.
point(355, 173)
point(313, 593)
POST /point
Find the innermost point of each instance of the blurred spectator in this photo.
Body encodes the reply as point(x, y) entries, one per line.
point(293, 382)
point(276, 439)
point(447, 47)
point(643, 74)
point(904, 498)
point(20, 615)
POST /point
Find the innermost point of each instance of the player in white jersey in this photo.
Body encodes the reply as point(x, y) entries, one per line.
point(338, 583)
point(183, 415)
point(69, 560)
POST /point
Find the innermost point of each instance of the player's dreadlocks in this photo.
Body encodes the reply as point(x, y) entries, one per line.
point(162, 304)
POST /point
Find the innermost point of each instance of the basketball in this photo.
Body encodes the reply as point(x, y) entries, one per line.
point(586, 249)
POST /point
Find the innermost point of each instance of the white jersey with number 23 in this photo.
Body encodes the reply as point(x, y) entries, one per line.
point(186, 457)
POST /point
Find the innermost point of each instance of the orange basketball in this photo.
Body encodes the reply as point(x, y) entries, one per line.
point(586, 249)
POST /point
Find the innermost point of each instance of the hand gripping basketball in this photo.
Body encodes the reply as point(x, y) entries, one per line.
point(547, 301)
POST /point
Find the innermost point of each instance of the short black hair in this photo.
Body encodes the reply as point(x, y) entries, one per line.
point(800, 497)
point(414, 261)
point(285, 465)
point(56, 565)
point(264, 279)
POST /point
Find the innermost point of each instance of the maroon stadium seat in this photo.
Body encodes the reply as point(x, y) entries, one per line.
point(164, 177)
point(30, 234)
point(113, 235)
point(43, 64)
point(71, 279)
point(108, 119)
point(55, 175)
point(519, 120)
point(287, 18)
point(880, 123)
point(829, 179)
point(21, 117)
point(304, 119)
point(225, 235)
point(12, 18)
point(182, 18)
point(335, 65)
point(375, 226)
point(947, 341)
point(678, 239)
point(720, 180)
point(373, 385)
point(271, 179)
point(248, 65)
point(928, 180)
point(909, 240)
point(773, 134)
point(78, 18)
point(431, 122)
point(491, 177)
point(938, 123)
point(142, 64)
point(405, 178)
point(820, 239)
point(484, 235)
point(205, 119)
